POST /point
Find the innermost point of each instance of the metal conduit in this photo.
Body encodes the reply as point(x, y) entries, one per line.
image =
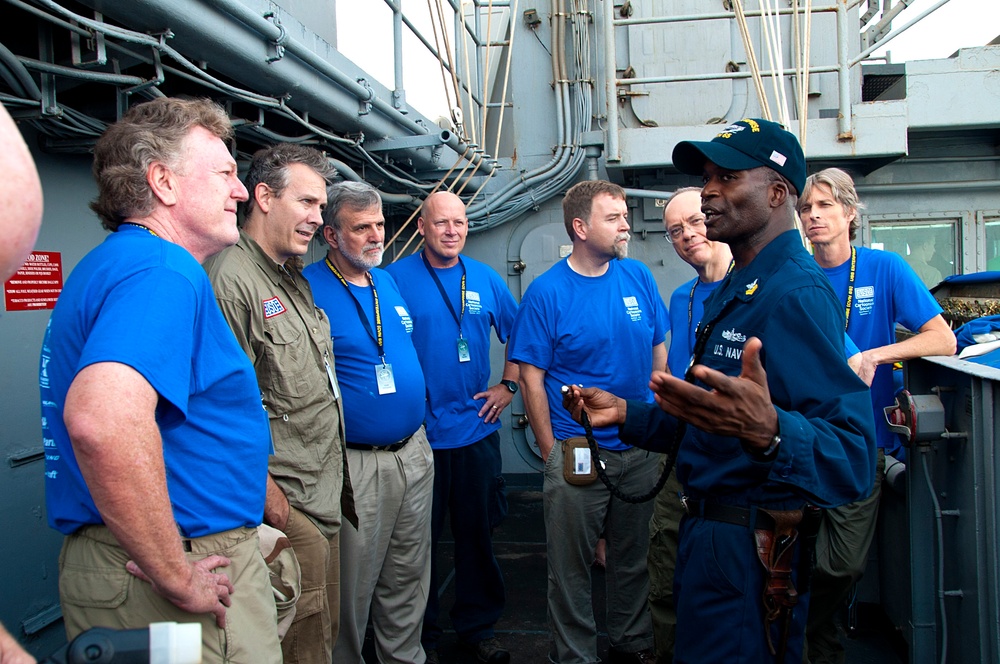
point(272, 33)
point(964, 185)
point(874, 47)
point(18, 79)
point(308, 75)
point(399, 90)
point(576, 111)
point(719, 77)
point(714, 16)
point(844, 76)
point(843, 67)
point(611, 83)
point(86, 75)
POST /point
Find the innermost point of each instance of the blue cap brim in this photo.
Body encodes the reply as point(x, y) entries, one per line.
point(690, 157)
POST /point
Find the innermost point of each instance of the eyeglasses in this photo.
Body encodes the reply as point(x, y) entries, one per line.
point(675, 233)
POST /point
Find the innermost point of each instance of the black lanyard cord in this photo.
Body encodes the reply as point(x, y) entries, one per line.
point(375, 335)
point(703, 334)
point(459, 317)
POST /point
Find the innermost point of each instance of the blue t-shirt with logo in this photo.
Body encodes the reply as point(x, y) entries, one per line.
point(591, 331)
point(686, 311)
point(452, 414)
point(371, 418)
point(145, 302)
point(886, 291)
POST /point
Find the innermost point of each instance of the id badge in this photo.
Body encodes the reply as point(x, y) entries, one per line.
point(463, 350)
point(333, 380)
point(581, 461)
point(384, 378)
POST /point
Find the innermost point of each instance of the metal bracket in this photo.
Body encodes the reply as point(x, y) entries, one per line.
point(157, 67)
point(47, 82)
point(399, 100)
point(95, 44)
point(277, 45)
point(365, 106)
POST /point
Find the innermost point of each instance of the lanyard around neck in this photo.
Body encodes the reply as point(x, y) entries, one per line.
point(377, 334)
point(132, 223)
point(850, 286)
point(444, 296)
point(694, 286)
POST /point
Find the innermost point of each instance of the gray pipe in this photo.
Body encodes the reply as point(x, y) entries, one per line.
point(611, 83)
point(964, 185)
point(317, 86)
point(18, 79)
point(271, 32)
point(73, 72)
point(844, 121)
point(399, 93)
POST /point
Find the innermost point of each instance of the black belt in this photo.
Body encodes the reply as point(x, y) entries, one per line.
point(738, 516)
point(394, 447)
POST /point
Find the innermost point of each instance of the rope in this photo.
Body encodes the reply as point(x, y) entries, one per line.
point(486, 68)
point(758, 82)
point(506, 79)
point(470, 129)
point(804, 89)
point(437, 45)
point(772, 38)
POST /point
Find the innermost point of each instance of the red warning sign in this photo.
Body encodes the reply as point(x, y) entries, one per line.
point(37, 284)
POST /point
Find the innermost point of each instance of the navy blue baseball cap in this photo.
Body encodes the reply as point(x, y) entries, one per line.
point(743, 145)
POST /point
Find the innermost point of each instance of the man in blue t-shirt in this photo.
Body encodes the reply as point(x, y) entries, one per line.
point(141, 379)
point(878, 290)
point(385, 563)
point(594, 318)
point(685, 230)
point(454, 302)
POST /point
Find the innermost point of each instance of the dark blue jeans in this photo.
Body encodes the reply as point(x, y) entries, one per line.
point(468, 486)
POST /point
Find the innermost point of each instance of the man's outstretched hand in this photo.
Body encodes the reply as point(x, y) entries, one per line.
point(737, 406)
point(604, 408)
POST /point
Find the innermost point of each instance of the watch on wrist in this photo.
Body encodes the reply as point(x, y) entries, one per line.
point(510, 385)
point(765, 454)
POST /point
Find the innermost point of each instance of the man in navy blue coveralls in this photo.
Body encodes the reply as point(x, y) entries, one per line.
point(774, 418)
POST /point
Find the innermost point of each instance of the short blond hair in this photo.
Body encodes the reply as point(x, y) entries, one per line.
point(842, 187)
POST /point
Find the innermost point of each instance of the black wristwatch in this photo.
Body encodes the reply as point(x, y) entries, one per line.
point(510, 385)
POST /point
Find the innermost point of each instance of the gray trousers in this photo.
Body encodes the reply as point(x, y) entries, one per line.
point(575, 517)
point(385, 565)
point(664, 534)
